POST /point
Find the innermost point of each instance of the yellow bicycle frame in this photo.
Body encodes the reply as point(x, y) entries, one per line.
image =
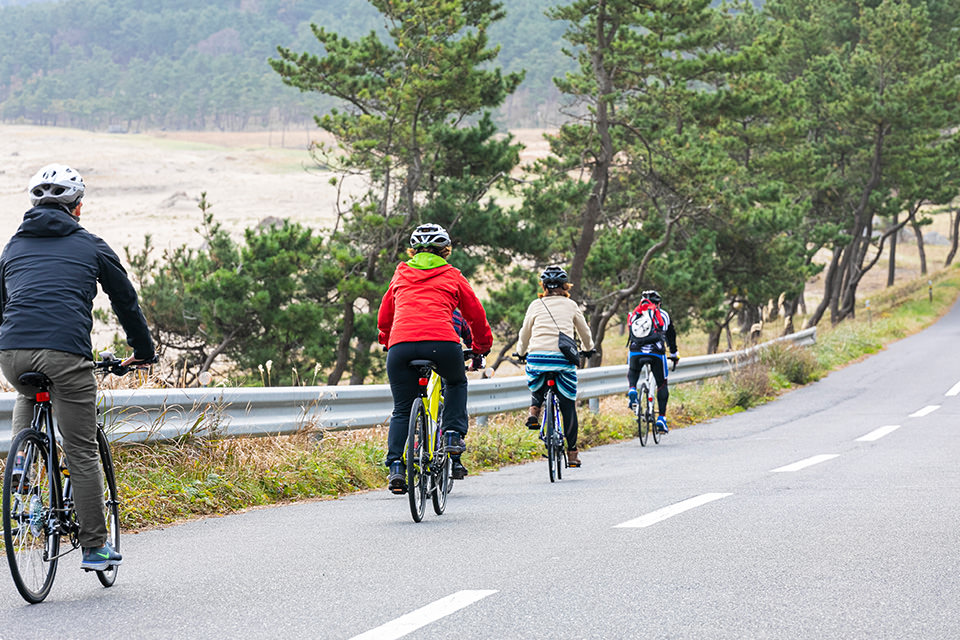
point(434, 397)
point(432, 406)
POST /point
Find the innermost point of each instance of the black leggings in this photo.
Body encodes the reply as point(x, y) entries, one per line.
point(568, 413)
point(658, 364)
point(405, 384)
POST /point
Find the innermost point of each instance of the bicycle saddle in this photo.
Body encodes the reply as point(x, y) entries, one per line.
point(34, 379)
point(423, 363)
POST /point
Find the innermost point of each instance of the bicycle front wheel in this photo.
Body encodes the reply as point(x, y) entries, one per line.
point(652, 421)
point(111, 505)
point(417, 460)
point(441, 479)
point(643, 427)
point(28, 508)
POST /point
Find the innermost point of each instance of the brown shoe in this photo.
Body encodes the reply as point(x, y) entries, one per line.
point(533, 420)
point(573, 458)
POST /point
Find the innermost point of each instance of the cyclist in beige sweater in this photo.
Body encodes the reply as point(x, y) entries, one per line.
point(552, 312)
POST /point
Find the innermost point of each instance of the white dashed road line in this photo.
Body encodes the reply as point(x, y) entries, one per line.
point(954, 390)
point(927, 410)
point(424, 615)
point(876, 434)
point(668, 512)
point(803, 464)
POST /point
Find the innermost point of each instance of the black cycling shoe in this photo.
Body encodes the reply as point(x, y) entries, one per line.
point(453, 443)
point(457, 470)
point(533, 423)
point(398, 478)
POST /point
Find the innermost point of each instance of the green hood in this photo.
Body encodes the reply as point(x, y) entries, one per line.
point(426, 260)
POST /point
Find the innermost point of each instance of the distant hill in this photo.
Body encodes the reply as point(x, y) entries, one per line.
point(134, 64)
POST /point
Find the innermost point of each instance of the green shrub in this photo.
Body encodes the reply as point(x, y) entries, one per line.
point(749, 385)
point(797, 365)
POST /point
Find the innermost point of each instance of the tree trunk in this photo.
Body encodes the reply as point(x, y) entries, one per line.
point(713, 339)
point(852, 266)
point(343, 345)
point(918, 231)
point(600, 173)
point(828, 289)
point(361, 362)
point(955, 229)
point(892, 267)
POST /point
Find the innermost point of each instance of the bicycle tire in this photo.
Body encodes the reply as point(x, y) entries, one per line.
point(558, 439)
point(441, 479)
point(652, 421)
point(549, 430)
point(416, 459)
point(643, 427)
point(26, 532)
point(111, 505)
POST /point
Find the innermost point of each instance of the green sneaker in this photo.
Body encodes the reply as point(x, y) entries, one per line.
point(100, 558)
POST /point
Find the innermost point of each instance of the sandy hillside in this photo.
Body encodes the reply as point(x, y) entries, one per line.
point(138, 184)
point(151, 183)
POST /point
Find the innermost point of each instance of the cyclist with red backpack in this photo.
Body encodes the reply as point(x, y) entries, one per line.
point(651, 333)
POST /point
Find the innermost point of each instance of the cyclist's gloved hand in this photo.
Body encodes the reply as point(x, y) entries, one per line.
point(478, 362)
point(135, 362)
point(674, 358)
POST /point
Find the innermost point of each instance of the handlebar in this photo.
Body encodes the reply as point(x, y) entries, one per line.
point(112, 364)
point(478, 360)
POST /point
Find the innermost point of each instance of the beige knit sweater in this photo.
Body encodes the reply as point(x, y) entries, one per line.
point(539, 332)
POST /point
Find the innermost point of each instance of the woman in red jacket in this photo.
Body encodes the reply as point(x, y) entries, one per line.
point(415, 323)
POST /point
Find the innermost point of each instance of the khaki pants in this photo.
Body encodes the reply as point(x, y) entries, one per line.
point(74, 396)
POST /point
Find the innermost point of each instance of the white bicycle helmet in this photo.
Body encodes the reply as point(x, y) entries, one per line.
point(429, 235)
point(56, 183)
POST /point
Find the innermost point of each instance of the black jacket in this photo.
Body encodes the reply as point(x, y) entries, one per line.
point(48, 279)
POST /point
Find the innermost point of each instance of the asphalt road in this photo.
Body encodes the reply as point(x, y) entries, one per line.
point(832, 512)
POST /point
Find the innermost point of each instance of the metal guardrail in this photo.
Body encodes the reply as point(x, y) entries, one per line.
point(136, 415)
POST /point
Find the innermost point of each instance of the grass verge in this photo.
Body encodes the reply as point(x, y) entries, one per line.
point(162, 483)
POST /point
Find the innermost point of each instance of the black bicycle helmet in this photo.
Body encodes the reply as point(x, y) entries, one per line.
point(553, 277)
point(652, 296)
point(429, 235)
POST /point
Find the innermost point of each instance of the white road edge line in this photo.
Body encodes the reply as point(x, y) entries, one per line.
point(954, 390)
point(424, 615)
point(927, 410)
point(803, 464)
point(876, 434)
point(668, 512)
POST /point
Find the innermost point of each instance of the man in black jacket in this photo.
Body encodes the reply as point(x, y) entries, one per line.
point(48, 279)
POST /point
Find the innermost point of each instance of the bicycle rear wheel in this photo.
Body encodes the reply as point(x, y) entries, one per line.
point(643, 427)
point(28, 504)
point(111, 505)
point(550, 428)
point(417, 460)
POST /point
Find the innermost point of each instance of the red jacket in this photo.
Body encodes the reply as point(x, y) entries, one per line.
point(418, 305)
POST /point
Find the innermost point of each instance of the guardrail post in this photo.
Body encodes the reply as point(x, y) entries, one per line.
point(595, 405)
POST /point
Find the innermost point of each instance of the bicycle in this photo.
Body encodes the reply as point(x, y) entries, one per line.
point(38, 505)
point(644, 407)
point(551, 430)
point(428, 466)
point(551, 423)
